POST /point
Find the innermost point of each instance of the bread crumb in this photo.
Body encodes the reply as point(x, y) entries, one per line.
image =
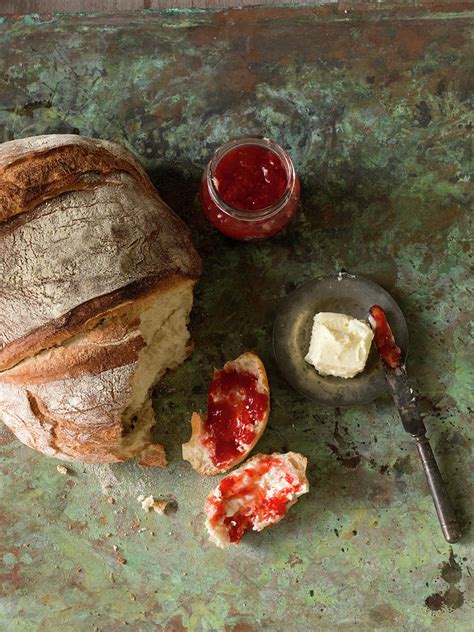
point(62, 469)
point(110, 500)
point(115, 547)
point(108, 535)
point(133, 597)
point(153, 456)
point(148, 503)
point(160, 506)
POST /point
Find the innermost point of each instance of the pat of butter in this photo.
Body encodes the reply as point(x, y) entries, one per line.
point(339, 345)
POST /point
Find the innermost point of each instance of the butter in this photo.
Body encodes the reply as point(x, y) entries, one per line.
point(339, 344)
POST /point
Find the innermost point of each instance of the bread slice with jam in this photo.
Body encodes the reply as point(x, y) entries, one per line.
point(238, 410)
point(255, 496)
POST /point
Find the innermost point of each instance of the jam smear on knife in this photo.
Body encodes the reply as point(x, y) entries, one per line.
point(383, 337)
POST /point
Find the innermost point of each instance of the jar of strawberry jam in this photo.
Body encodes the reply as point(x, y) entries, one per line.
point(249, 189)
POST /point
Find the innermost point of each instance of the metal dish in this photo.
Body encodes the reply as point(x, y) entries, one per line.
point(347, 294)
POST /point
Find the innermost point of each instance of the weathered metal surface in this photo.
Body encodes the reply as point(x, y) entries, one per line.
point(374, 110)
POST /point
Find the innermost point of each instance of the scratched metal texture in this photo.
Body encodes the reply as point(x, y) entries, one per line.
point(375, 109)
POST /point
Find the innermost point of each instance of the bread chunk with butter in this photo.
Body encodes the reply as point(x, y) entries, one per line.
point(96, 288)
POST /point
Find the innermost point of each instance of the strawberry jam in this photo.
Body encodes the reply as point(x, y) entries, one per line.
point(249, 189)
point(250, 178)
point(235, 409)
point(384, 340)
point(237, 525)
point(259, 502)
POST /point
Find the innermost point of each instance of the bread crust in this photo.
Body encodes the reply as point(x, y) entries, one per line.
point(67, 401)
point(195, 452)
point(78, 243)
point(77, 416)
point(37, 168)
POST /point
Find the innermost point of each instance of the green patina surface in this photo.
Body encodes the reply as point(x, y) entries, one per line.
point(375, 110)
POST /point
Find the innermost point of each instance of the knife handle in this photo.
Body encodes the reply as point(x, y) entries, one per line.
point(444, 509)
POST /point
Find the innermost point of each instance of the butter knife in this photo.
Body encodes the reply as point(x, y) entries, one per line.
point(407, 405)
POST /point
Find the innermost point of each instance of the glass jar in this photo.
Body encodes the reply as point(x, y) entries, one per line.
point(249, 189)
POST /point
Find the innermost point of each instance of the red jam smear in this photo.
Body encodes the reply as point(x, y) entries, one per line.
point(251, 178)
point(384, 340)
point(237, 525)
point(235, 409)
point(259, 507)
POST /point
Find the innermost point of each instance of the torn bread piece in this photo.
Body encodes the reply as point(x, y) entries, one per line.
point(255, 496)
point(237, 413)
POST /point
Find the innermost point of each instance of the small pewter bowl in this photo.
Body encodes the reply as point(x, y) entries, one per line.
point(346, 294)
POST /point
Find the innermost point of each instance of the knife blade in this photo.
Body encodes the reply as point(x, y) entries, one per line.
point(407, 405)
point(395, 372)
point(405, 400)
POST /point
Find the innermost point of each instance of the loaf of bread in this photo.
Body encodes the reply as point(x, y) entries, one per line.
point(96, 287)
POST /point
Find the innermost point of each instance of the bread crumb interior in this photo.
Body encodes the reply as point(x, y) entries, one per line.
point(163, 326)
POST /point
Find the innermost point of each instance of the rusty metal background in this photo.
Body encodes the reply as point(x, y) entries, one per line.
point(374, 106)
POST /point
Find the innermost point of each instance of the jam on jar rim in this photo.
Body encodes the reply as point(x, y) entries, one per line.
point(264, 213)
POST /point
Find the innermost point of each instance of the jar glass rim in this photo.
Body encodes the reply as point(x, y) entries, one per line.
point(264, 213)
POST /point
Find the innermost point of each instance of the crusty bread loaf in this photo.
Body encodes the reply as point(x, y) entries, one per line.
point(255, 496)
point(97, 275)
point(197, 451)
